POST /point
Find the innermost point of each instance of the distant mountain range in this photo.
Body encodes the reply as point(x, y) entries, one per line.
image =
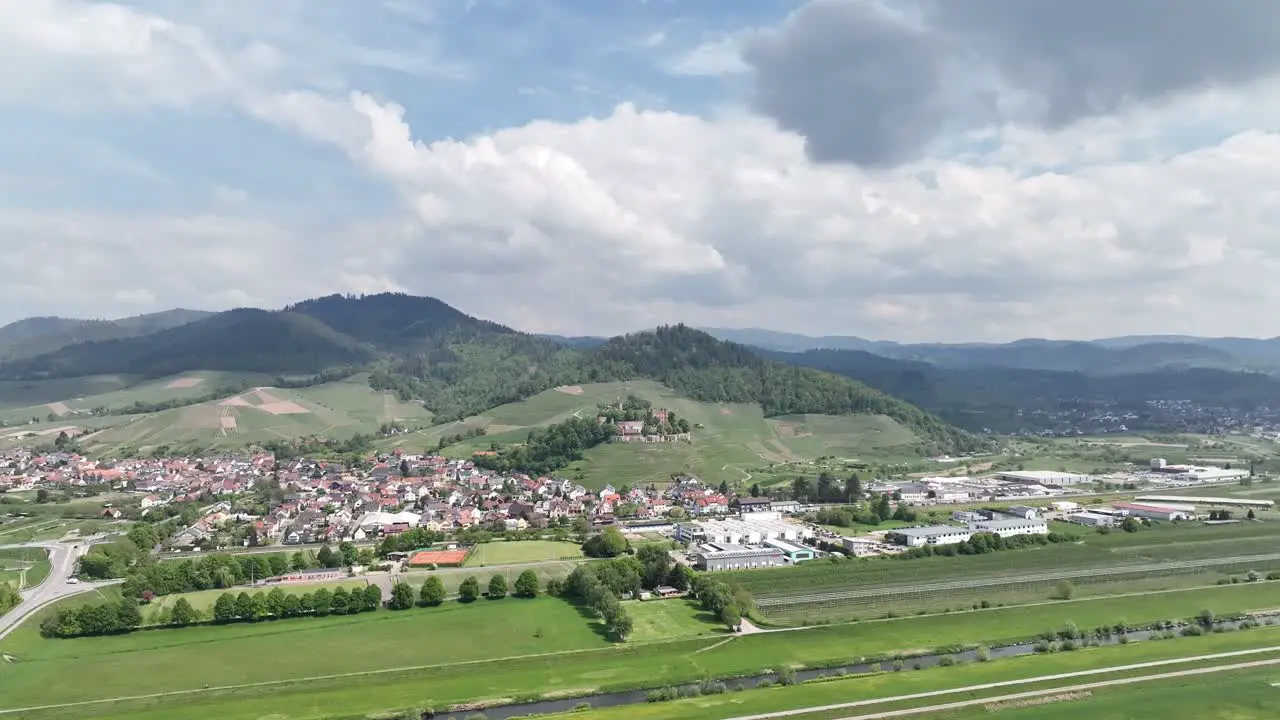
point(1115, 356)
point(457, 365)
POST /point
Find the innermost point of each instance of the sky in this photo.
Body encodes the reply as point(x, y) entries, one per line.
point(914, 170)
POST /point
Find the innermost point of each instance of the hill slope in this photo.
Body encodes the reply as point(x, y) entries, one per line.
point(703, 368)
point(243, 340)
point(459, 366)
point(35, 336)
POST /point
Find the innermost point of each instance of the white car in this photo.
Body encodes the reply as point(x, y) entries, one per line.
point(73, 581)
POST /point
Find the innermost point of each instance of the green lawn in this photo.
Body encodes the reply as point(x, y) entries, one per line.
point(891, 684)
point(168, 660)
point(670, 619)
point(453, 577)
point(34, 561)
point(1249, 694)
point(523, 551)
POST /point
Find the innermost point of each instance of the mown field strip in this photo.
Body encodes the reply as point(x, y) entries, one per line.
point(1117, 571)
point(1032, 680)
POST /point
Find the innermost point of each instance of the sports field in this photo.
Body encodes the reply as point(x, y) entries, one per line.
point(443, 558)
point(524, 551)
point(430, 646)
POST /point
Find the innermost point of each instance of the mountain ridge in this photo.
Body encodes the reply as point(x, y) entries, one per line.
point(458, 365)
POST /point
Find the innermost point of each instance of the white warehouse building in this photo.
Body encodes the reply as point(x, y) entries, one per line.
point(1044, 477)
point(932, 535)
point(748, 531)
point(1009, 528)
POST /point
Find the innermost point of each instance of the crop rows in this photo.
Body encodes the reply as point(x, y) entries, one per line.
point(1008, 588)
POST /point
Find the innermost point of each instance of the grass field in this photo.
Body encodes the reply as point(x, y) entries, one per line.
point(1249, 694)
point(892, 684)
point(734, 442)
point(337, 409)
point(670, 619)
point(453, 577)
point(525, 551)
point(493, 633)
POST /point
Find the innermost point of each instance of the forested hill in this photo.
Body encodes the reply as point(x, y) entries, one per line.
point(704, 368)
point(459, 366)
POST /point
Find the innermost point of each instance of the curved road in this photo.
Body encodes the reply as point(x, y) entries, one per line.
point(62, 561)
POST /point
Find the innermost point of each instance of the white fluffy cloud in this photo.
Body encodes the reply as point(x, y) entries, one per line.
point(1109, 225)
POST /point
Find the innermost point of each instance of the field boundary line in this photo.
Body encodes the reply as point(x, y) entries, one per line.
point(1042, 678)
point(338, 676)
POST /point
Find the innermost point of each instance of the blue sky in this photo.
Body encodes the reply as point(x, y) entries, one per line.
point(895, 169)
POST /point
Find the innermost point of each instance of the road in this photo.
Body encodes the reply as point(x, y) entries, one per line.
point(62, 561)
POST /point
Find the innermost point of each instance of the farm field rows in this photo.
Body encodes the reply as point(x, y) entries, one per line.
point(160, 661)
point(1002, 577)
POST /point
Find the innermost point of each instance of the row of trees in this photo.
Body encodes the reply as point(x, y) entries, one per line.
point(244, 607)
point(103, 619)
point(985, 542)
point(149, 578)
point(871, 513)
point(595, 586)
point(827, 488)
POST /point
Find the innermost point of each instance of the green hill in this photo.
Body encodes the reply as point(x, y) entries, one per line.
point(731, 441)
point(424, 353)
point(39, 335)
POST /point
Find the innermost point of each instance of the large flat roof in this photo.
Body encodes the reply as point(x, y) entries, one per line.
point(1192, 500)
point(930, 531)
point(1010, 523)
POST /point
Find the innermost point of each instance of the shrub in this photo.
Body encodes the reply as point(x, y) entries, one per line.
point(946, 661)
point(983, 653)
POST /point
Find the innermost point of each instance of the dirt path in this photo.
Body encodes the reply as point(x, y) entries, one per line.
point(1031, 693)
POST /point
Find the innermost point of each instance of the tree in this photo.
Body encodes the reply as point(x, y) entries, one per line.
point(372, 595)
point(1064, 590)
point(432, 592)
point(340, 602)
point(298, 561)
point(724, 487)
point(349, 553)
point(244, 606)
point(183, 613)
point(606, 544)
point(469, 590)
point(275, 602)
point(322, 602)
point(1251, 515)
point(42, 496)
point(731, 616)
point(327, 558)
point(1130, 524)
point(401, 596)
point(755, 490)
point(224, 608)
point(527, 584)
point(800, 489)
point(883, 510)
point(497, 587)
point(853, 488)
point(128, 616)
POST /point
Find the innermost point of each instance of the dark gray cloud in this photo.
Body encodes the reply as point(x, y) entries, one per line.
point(1092, 57)
point(857, 83)
point(863, 85)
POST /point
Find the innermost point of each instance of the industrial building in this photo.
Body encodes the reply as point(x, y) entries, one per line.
point(1011, 527)
point(1158, 512)
point(1205, 500)
point(794, 553)
point(1021, 511)
point(747, 531)
point(1043, 477)
point(932, 535)
point(1196, 473)
point(1092, 519)
point(716, 556)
